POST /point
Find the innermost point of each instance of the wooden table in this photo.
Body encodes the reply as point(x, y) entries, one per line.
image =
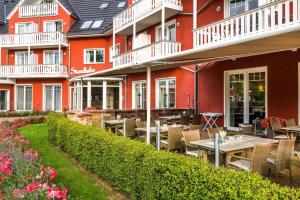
point(171, 118)
point(292, 129)
point(113, 123)
point(232, 145)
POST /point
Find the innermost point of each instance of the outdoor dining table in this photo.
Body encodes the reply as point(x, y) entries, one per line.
point(113, 123)
point(292, 129)
point(232, 145)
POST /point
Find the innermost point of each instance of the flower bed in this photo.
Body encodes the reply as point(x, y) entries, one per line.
point(145, 173)
point(22, 176)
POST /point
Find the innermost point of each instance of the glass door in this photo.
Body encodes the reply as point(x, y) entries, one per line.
point(4, 101)
point(245, 97)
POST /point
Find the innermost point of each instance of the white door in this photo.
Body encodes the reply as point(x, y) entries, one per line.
point(245, 96)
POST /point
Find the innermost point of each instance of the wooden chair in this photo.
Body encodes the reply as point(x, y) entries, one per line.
point(281, 159)
point(246, 129)
point(105, 118)
point(290, 122)
point(173, 142)
point(197, 127)
point(129, 129)
point(185, 119)
point(278, 133)
point(190, 136)
point(141, 124)
point(212, 132)
point(258, 161)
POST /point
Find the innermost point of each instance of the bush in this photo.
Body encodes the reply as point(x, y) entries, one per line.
point(145, 173)
point(23, 114)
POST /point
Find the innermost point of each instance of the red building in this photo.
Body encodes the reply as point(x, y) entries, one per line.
point(241, 56)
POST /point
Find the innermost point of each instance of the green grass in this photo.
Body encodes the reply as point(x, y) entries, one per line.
point(80, 184)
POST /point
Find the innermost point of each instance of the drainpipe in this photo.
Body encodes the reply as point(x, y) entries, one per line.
point(196, 92)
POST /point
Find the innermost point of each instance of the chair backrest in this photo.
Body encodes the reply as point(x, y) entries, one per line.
point(259, 157)
point(246, 129)
point(184, 119)
point(141, 124)
point(190, 136)
point(290, 122)
point(130, 127)
point(197, 127)
point(174, 138)
point(275, 124)
point(105, 118)
point(284, 153)
point(212, 132)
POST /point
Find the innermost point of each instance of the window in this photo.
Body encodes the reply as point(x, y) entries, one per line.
point(21, 58)
point(117, 52)
point(170, 32)
point(165, 93)
point(4, 100)
point(26, 28)
point(139, 95)
point(104, 5)
point(237, 7)
point(97, 23)
point(53, 26)
point(52, 98)
point(52, 58)
point(24, 97)
point(86, 25)
point(121, 4)
point(93, 56)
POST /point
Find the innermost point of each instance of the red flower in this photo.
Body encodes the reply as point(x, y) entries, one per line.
point(53, 192)
point(31, 187)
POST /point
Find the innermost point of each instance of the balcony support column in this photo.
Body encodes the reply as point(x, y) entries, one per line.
point(81, 96)
point(148, 104)
point(89, 94)
point(59, 54)
point(134, 35)
point(29, 56)
point(163, 16)
point(114, 43)
point(195, 22)
point(104, 95)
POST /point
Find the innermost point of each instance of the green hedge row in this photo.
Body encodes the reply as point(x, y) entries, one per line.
point(144, 173)
point(23, 114)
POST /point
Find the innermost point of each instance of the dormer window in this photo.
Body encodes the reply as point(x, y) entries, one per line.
point(121, 4)
point(104, 5)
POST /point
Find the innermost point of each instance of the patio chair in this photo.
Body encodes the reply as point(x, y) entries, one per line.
point(185, 119)
point(141, 124)
point(281, 159)
point(212, 132)
point(190, 136)
point(197, 127)
point(104, 118)
point(129, 128)
point(257, 162)
point(278, 133)
point(290, 122)
point(246, 129)
point(173, 142)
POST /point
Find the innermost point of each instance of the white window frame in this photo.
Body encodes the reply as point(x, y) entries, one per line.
point(19, 23)
point(44, 96)
point(53, 21)
point(227, 7)
point(134, 103)
point(61, 56)
point(157, 91)
point(245, 71)
point(7, 99)
point(111, 52)
point(94, 49)
point(167, 24)
point(24, 101)
point(17, 54)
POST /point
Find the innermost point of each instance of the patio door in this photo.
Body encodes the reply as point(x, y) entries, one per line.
point(245, 96)
point(4, 100)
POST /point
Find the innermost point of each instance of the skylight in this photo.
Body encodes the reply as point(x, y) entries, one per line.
point(97, 23)
point(121, 4)
point(86, 24)
point(104, 5)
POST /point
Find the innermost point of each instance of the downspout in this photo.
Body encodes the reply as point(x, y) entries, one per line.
point(196, 92)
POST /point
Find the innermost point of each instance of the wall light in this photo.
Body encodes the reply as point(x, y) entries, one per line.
point(218, 8)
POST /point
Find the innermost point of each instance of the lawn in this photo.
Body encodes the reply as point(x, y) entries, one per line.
point(80, 183)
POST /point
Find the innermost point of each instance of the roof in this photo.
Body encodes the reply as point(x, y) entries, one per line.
point(89, 10)
point(82, 10)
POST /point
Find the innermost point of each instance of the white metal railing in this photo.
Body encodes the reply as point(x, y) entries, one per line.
point(141, 8)
point(272, 16)
point(147, 53)
point(45, 9)
point(41, 38)
point(27, 71)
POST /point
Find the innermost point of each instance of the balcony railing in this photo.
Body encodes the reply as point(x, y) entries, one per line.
point(271, 17)
point(147, 53)
point(142, 8)
point(33, 71)
point(33, 39)
point(46, 9)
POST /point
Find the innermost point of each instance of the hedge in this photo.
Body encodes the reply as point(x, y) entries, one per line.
point(145, 173)
point(23, 114)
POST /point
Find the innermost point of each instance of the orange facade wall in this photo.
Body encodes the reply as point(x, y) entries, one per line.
point(37, 87)
point(184, 86)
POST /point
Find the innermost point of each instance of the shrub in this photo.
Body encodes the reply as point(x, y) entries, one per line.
point(144, 173)
point(23, 114)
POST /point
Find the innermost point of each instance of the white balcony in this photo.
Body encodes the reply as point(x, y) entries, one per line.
point(33, 40)
point(147, 53)
point(275, 18)
point(40, 10)
point(145, 13)
point(33, 71)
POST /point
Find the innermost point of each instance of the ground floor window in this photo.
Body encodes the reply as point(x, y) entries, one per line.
point(4, 100)
point(139, 95)
point(24, 97)
point(52, 98)
point(165, 93)
point(245, 96)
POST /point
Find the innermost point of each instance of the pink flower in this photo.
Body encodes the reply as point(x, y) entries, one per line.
point(31, 187)
point(17, 193)
point(53, 192)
